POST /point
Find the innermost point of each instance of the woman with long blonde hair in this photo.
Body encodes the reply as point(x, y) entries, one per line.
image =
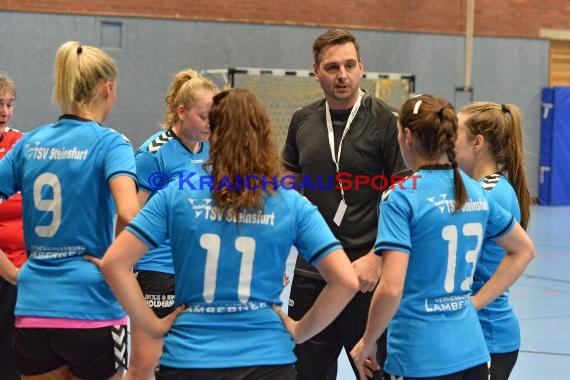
point(490, 149)
point(74, 174)
point(181, 147)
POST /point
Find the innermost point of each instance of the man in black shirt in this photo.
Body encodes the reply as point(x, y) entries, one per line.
point(352, 136)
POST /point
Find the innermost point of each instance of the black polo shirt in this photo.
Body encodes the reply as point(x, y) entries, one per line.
point(369, 149)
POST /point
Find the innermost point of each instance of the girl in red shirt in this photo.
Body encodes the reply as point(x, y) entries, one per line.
point(12, 246)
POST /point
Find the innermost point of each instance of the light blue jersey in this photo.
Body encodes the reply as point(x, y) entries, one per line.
point(498, 320)
point(63, 171)
point(229, 274)
point(163, 156)
point(436, 330)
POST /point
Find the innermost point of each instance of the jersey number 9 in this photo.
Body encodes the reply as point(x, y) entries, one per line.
point(52, 205)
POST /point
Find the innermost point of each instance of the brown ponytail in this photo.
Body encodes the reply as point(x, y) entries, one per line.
point(434, 122)
point(501, 126)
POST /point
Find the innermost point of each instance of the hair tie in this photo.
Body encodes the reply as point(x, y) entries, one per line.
point(440, 113)
point(79, 50)
point(417, 107)
point(504, 108)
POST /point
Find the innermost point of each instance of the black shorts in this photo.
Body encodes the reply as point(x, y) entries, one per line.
point(92, 354)
point(502, 365)
point(8, 370)
point(261, 372)
point(158, 290)
point(317, 358)
point(479, 372)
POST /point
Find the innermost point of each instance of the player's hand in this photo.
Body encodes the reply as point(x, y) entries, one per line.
point(290, 324)
point(12, 277)
point(368, 269)
point(93, 259)
point(475, 302)
point(8, 270)
point(164, 325)
point(364, 357)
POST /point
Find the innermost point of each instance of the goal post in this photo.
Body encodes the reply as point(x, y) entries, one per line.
point(283, 91)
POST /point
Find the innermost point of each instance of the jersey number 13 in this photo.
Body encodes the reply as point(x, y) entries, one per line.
point(450, 233)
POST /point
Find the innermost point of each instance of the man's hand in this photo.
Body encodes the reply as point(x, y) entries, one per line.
point(368, 269)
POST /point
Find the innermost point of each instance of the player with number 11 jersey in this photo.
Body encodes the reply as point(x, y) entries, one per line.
point(231, 273)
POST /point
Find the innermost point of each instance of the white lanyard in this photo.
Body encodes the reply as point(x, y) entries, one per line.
point(351, 117)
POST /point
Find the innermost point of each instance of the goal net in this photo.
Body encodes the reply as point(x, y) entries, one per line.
point(283, 91)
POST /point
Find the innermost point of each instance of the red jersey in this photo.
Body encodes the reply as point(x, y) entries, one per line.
point(11, 226)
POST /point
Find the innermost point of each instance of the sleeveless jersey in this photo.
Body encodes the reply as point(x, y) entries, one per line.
point(63, 171)
point(163, 157)
point(229, 273)
point(436, 330)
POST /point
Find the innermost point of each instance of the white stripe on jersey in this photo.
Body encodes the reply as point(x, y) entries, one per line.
point(490, 181)
point(159, 141)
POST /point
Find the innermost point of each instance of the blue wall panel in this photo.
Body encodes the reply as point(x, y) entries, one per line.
point(560, 178)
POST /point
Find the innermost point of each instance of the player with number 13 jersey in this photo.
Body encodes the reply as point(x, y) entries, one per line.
point(435, 301)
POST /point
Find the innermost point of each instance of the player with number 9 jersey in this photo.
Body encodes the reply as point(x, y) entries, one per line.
point(63, 170)
point(74, 175)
